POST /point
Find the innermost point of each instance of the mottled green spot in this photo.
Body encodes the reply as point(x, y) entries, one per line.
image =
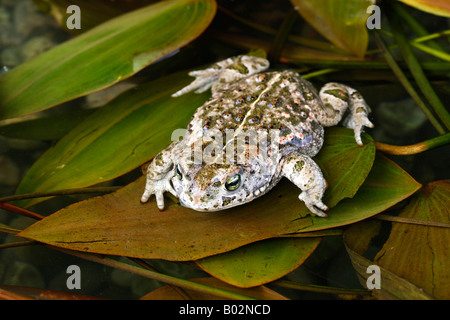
point(159, 161)
point(338, 93)
point(227, 201)
point(299, 165)
point(356, 95)
point(239, 67)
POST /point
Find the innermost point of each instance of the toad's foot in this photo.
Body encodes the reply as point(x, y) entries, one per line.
point(336, 99)
point(357, 122)
point(223, 73)
point(306, 174)
point(158, 187)
point(313, 203)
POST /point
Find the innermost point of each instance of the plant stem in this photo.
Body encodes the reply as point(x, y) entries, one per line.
point(21, 211)
point(321, 45)
point(416, 69)
point(63, 192)
point(386, 217)
point(315, 288)
point(415, 26)
point(406, 84)
point(282, 35)
point(318, 73)
point(155, 275)
point(417, 43)
point(414, 148)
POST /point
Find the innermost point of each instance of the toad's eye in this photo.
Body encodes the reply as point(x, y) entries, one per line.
point(179, 172)
point(233, 182)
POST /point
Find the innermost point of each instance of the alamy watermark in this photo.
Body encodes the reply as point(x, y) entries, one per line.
point(374, 20)
point(374, 280)
point(74, 20)
point(74, 280)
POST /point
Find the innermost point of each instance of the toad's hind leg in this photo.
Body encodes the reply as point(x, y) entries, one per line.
point(306, 174)
point(336, 99)
point(224, 72)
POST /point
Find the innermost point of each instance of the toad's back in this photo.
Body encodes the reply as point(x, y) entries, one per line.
point(260, 103)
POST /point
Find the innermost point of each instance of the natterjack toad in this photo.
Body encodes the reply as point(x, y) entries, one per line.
point(255, 129)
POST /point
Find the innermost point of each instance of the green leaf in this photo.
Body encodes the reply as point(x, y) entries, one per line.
point(345, 179)
point(103, 56)
point(260, 262)
point(47, 127)
point(122, 135)
point(386, 185)
point(343, 22)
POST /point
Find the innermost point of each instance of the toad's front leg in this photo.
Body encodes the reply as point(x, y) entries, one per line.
point(306, 174)
point(159, 173)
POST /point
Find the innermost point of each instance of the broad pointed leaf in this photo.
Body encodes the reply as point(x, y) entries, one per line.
point(103, 55)
point(260, 262)
point(386, 185)
point(420, 253)
point(343, 22)
point(357, 239)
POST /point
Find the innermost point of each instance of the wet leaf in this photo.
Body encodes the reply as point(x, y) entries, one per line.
point(102, 56)
point(119, 224)
point(420, 253)
point(437, 7)
point(127, 132)
point(260, 262)
point(343, 22)
point(51, 127)
point(168, 293)
point(391, 285)
point(386, 185)
point(355, 163)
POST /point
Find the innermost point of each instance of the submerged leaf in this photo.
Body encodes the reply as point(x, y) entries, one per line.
point(420, 253)
point(343, 22)
point(414, 260)
point(102, 56)
point(260, 262)
point(391, 286)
